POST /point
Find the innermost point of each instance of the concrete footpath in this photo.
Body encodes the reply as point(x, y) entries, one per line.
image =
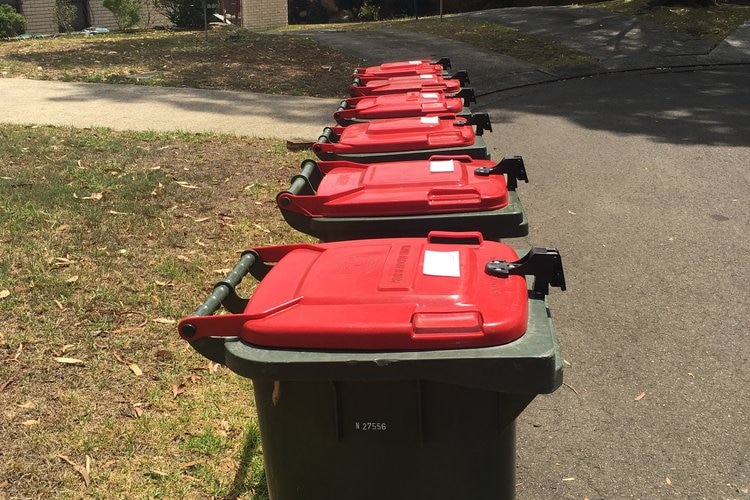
point(136, 107)
point(617, 42)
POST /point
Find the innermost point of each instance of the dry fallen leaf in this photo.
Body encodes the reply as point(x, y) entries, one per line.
point(639, 396)
point(135, 369)
point(114, 212)
point(27, 406)
point(138, 409)
point(177, 389)
point(31, 422)
point(59, 304)
point(84, 471)
point(186, 185)
point(569, 479)
point(69, 361)
point(72, 279)
point(189, 464)
point(4, 293)
point(202, 219)
point(668, 481)
point(164, 321)
point(94, 196)
point(60, 262)
point(62, 228)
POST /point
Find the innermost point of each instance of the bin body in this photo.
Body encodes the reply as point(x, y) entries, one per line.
point(390, 368)
point(400, 85)
point(391, 70)
point(345, 200)
point(401, 139)
point(396, 440)
point(399, 106)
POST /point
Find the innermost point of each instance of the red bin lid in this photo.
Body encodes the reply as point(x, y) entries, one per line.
point(390, 70)
point(438, 185)
point(400, 105)
point(387, 294)
point(401, 84)
point(400, 134)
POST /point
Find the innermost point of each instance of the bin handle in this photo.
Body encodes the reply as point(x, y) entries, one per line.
point(304, 183)
point(224, 291)
point(545, 264)
point(455, 237)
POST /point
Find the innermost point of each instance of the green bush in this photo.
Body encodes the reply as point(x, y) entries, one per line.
point(65, 13)
point(127, 12)
point(11, 22)
point(368, 12)
point(184, 13)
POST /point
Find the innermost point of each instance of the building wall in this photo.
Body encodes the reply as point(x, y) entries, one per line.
point(263, 14)
point(99, 16)
point(40, 18)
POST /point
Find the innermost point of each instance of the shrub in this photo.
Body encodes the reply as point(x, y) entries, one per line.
point(64, 13)
point(369, 12)
point(127, 12)
point(184, 13)
point(11, 22)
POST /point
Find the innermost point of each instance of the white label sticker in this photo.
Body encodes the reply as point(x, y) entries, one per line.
point(415, 62)
point(441, 264)
point(429, 120)
point(426, 77)
point(430, 95)
point(442, 166)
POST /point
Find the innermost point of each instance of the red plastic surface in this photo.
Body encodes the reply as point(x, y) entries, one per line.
point(397, 69)
point(400, 105)
point(442, 184)
point(402, 84)
point(385, 294)
point(400, 134)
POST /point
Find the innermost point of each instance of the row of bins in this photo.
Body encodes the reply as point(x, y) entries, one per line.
point(392, 358)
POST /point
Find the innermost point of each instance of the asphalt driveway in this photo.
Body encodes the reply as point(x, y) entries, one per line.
point(641, 180)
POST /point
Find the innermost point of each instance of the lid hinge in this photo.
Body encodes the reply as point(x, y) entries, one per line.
point(545, 264)
point(461, 75)
point(445, 62)
point(481, 120)
point(513, 166)
point(467, 94)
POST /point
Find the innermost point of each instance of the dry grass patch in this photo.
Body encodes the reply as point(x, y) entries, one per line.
point(231, 59)
point(107, 239)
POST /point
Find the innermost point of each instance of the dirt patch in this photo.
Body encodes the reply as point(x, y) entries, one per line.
point(230, 59)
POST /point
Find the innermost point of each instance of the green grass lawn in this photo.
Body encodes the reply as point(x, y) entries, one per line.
point(108, 238)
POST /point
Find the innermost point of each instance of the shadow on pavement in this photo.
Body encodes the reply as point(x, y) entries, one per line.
point(689, 107)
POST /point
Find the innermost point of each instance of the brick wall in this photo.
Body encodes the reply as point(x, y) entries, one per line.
point(99, 16)
point(262, 14)
point(40, 18)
